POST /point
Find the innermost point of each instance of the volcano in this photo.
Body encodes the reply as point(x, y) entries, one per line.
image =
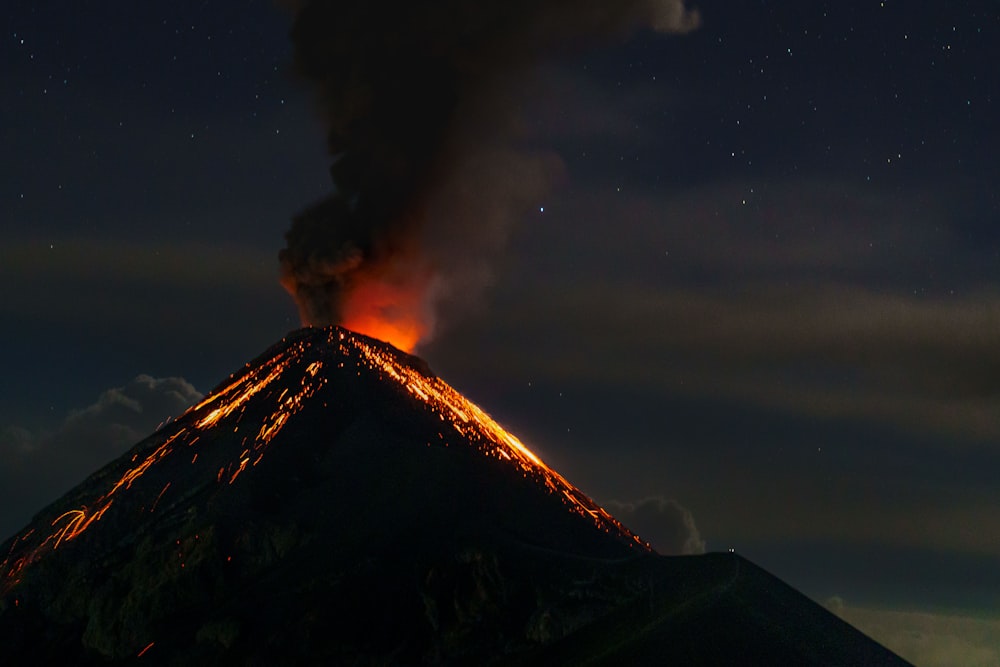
point(334, 502)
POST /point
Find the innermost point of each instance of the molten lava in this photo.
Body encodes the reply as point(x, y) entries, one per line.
point(260, 402)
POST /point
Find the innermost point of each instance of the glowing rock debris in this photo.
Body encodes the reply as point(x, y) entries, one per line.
point(285, 381)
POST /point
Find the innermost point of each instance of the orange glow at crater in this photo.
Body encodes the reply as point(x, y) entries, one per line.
point(395, 313)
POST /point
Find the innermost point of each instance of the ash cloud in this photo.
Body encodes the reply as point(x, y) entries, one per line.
point(428, 168)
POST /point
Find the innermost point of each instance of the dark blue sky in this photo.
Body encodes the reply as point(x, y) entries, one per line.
point(767, 285)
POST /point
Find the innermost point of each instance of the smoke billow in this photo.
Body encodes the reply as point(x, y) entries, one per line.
point(426, 169)
point(666, 524)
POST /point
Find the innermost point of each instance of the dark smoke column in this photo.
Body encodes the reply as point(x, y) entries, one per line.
point(426, 177)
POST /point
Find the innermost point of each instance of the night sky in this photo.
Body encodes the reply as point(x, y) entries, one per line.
point(759, 307)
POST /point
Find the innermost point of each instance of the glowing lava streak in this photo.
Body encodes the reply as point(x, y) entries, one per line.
point(223, 404)
point(470, 421)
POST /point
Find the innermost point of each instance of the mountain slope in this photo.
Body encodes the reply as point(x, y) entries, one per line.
point(716, 609)
point(334, 502)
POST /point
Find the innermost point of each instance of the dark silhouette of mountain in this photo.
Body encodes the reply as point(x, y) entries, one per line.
point(335, 503)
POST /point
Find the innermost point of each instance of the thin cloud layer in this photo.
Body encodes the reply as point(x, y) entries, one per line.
point(822, 299)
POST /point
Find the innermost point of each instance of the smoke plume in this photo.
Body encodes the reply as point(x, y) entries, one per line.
point(426, 168)
point(666, 524)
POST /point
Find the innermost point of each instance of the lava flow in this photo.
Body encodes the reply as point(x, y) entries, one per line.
point(268, 395)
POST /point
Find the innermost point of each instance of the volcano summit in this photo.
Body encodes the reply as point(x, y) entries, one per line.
point(334, 502)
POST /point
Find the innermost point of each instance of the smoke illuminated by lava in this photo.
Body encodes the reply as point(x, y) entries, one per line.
point(429, 171)
point(389, 310)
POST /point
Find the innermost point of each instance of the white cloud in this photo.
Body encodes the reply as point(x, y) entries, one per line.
point(35, 467)
point(123, 415)
point(663, 522)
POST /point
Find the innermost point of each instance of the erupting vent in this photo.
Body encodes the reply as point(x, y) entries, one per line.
point(258, 403)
